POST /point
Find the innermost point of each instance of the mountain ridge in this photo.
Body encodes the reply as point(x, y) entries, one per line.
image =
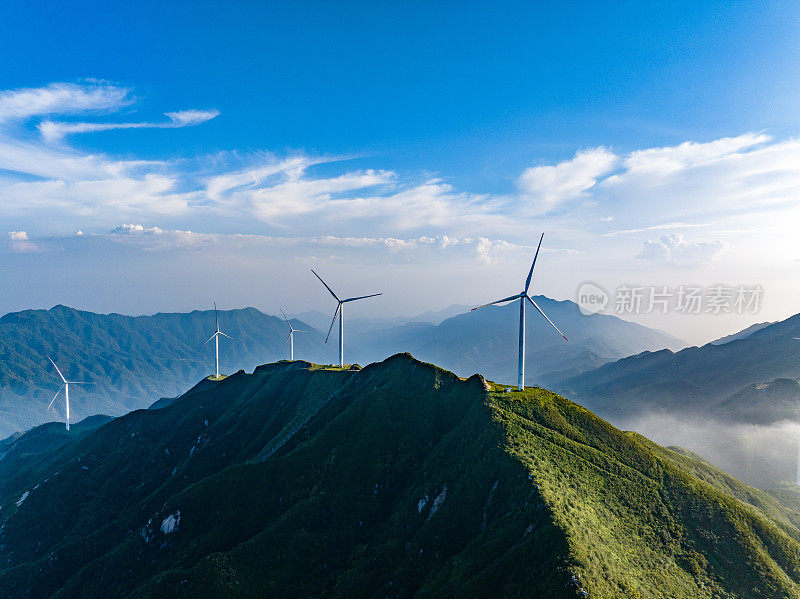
point(396, 479)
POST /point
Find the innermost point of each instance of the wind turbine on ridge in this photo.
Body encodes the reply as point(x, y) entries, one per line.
point(65, 386)
point(338, 312)
point(215, 337)
point(290, 338)
point(522, 296)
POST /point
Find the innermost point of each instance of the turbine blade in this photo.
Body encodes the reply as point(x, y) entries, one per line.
point(225, 335)
point(210, 338)
point(216, 316)
point(338, 306)
point(505, 299)
point(326, 285)
point(545, 316)
point(286, 319)
point(57, 370)
point(54, 398)
point(530, 272)
point(352, 299)
point(289, 336)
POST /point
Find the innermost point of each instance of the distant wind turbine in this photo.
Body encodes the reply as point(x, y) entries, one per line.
point(215, 337)
point(65, 386)
point(338, 312)
point(290, 338)
point(522, 296)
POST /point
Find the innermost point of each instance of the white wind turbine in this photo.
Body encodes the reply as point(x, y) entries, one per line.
point(65, 386)
point(338, 312)
point(290, 338)
point(522, 296)
point(215, 337)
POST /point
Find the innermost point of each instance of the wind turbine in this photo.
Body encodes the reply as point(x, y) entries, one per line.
point(338, 312)
point(65, 386)
point(290, 338)
point(215, 337)
point(522, 296)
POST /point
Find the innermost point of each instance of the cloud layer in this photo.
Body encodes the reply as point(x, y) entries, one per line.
point(693, 205)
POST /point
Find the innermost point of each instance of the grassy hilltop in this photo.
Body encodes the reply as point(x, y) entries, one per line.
point(398, 480)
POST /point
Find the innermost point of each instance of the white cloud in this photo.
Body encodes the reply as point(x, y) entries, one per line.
point(660, 227)
point(21, 243)
point(544, 188)
point(727, 182)
point(674, 250)
point(126, 229)
point(61, 98)
point(158, 239)
point(696, 182)
point(689, 154)
point(55, 130)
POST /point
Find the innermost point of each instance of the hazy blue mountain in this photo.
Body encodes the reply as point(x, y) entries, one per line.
point(743, 334)
point(130, 361)
point(397, 480)
point(703, 380)
point(762, 403)
point(356, 325)
point(133, 361)
point(486, 341)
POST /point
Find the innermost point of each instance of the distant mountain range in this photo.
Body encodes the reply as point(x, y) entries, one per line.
point(322, 320)
point(129, 361)
point(486, 341)
point(737, 380)
point(132, 361)
point(743, 334)
point(398, 480)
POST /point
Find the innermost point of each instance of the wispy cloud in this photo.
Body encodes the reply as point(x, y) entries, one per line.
point(674, 250)
point(661, 227)
point(156, 238)
point(53, 131)
point(672, 189)
point(61, 98)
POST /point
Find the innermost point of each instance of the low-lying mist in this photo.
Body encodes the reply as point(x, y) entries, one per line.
point(764, 456)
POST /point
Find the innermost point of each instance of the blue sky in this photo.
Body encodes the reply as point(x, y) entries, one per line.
point(656, 143)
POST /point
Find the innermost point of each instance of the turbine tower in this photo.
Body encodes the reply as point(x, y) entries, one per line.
point(215, 337)
point(65, 386)
point(522, 296)
point(338, 313)
point(290, 338)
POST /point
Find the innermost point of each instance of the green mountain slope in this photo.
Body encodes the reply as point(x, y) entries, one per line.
point(396, 480)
